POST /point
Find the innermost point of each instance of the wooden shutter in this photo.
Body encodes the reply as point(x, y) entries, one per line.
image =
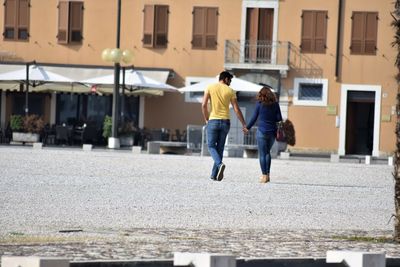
point(63, 22)
point(23, 20)
point(199, 14)
point(357, 33)
point(265, 25)
point(76, 21)
point(10, 19)
point(161, 26)
point(314, 25)
point(148, 25)
point(307, 32)
point(320, 31)
point(211, 28)
point(371, 30)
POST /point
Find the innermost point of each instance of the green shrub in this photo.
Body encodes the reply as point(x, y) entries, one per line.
point(16, 123)
point(107, 126)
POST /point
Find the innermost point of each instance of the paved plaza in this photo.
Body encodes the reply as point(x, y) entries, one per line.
point(105, 204)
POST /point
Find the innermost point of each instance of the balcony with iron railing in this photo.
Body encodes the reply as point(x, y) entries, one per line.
point(246, 54)
point(267, 55)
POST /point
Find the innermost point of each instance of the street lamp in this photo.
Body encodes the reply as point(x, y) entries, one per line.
point(115, 55)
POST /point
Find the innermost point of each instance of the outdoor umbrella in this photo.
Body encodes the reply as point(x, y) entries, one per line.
point(237, 84)
point(134, 81)
point(32, 74)
point(37, 75)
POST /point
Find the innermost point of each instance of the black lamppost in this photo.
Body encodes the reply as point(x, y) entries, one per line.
point(115, 55)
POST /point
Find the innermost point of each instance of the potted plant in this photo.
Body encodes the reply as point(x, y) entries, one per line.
point(26, 129)
point(126, 132)
point(107, 126)
point(16, 123)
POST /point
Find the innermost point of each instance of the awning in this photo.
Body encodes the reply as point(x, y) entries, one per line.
point(76, 74)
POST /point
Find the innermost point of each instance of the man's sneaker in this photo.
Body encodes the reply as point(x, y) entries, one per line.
point(212, 179)
point(220, 174)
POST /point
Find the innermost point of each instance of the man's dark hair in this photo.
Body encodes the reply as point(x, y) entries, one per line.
point(223, 75)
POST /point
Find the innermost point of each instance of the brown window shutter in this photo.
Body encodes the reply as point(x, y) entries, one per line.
point(76, 21)
point(161, 26)
point(199, 14)
point(63, 22)
point(266, 17)
point(211, 28)
point(23, 20)
point(320, 31)
point(371, 30)
point(10, 19)
point(148, 25)
point(307, 32)
point(357, 33)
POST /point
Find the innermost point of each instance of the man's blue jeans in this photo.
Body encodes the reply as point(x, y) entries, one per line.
point(265, 142)
point(217, 130)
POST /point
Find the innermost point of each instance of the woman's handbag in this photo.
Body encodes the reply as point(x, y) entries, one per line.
point(280, 133)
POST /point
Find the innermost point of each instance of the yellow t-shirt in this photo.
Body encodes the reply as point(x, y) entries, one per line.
point(221, 96)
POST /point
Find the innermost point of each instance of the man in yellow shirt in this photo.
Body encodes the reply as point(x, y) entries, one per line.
point(218, 120)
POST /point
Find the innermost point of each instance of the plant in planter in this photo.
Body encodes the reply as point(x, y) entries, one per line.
point(26, 129)
point(107, 126)
point(33, 124)
point(16, 123)
point(126, 132)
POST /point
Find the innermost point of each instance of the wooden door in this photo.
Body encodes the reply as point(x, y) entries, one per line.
point(259, 34)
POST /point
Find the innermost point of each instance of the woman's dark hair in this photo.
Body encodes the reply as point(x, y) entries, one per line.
point(266, 96)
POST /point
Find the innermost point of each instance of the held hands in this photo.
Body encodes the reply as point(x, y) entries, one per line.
point(245, 130)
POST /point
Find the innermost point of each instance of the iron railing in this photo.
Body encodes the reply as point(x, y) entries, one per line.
point(277, 55)
point(261, 52)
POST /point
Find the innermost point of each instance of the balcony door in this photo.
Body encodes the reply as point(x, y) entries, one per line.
point(259, 35)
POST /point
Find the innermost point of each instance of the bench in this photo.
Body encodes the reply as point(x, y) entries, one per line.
point(245, 151)
point(166, 147)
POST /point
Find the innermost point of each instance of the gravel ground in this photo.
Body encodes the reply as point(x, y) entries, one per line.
point(149, 205)
point(48, 190)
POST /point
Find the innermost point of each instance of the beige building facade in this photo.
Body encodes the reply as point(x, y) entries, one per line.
point(331, 61)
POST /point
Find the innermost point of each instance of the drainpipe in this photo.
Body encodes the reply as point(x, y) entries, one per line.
point(279, 85)
point(338, 40)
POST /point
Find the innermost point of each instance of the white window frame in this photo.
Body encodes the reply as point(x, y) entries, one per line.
point(319, 103)
point(273, 4)
point(192, 80)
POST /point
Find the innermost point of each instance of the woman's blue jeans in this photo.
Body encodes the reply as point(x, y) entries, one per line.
point(265, 142)
point(217, 130)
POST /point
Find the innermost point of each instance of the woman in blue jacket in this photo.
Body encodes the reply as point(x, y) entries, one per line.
point(268, 114)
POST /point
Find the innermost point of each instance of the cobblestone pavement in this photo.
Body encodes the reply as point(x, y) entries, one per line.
point(161, 243)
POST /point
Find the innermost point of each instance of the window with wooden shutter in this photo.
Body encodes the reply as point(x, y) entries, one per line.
point(16, 20)
point(161, 26)
point(76, 24)
point(155, 26)
point(70, 22)
point(148, 25)
point(205, 28)
point(364, 33)
point(313, 31)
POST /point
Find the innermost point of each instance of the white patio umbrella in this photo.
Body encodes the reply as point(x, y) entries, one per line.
point(36, 74)
point(134, 80)
point(237, 84)
point(33, 75)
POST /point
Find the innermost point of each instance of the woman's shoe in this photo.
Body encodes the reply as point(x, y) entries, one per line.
point(264, 178)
